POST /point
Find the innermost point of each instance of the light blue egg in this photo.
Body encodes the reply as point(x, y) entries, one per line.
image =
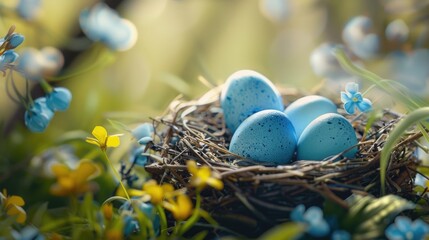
point(247, 92)
point(266, 136)
point(306, 109)
point(327, 135)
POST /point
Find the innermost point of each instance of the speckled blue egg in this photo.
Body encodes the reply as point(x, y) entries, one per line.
point(327, 135)
point(306, 109)
point(266, 136)
point(245, 93)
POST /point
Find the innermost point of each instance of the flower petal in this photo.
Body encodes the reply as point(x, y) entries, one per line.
point(184, 208)
point(345, 97)
point(100, 133)
point(192, 167)
point(365, 105)
point(85, 170)
point(60, 170)
point(216, 183)
point(393, 233)
point(18, 212)
point(113, 141)
point(403, 223)
point(92, 141)
point(297, 214)
point(349, 107)
point(352, 87)
point(15, 200)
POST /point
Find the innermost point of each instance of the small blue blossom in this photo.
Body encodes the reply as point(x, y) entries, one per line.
point(137, 157)
point(341, 235)
point(7, 58)
point(358, 36)
point(313, 218)
point(130, 223)
point(28, 9)
point(404, 229)
point(15, 40)
point(143, 130)
point(352, 99)
point(28, 233)
point(38, 117)
point(397, 31)
point(103, 24)
point(59, 99)
point(35, 64)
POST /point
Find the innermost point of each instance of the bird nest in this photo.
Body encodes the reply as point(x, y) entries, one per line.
point(258, 196)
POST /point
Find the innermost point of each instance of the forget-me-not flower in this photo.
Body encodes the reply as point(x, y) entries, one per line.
point(59, 99)
point(404, 229)
point(352, 99)
point(38, 116)
point(317, 226)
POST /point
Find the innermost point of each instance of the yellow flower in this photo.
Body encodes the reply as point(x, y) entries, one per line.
point(107, 211)
point(180, 207)
point(13, 206)
point(102, 139)
point(203, 176)
point(154, 192)
point(74, 182)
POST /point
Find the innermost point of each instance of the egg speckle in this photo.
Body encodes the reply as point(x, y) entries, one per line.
point(306, 109)
point(247, 92)
point(266, 136)
point(327, 135)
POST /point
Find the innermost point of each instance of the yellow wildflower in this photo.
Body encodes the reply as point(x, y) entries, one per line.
point(203, 176)
point(74, 182)
point(180, 207)
point(114, 234)
point(154, 192)
point(13, 206)
point(102, 139)
point(107, 211)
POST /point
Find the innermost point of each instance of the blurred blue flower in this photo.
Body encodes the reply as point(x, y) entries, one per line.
point(275, 10)
point(59, 99)
point(137, 157)
point(103, 24)
point(28, 9)
point(28, 233)
point(341, 235)
point(325, 64)
point(35, 64)
point(7, 58)
point(143, 130)
point(404, 228)
point(130, 222)
point(313, 217)
point(397, 31)
point(358, 36)
point(38, 117)
point(410, 69)
point(352, 99)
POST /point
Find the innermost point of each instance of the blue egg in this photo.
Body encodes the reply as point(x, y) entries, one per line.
point(327, 135)
point(306, 109)
point(247, 92)
point(266, 136)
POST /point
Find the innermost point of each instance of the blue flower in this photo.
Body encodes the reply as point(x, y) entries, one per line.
point(7, 58)
point(59, 99)
point(358, 36)
point(28, 233)
point(38, 117)
point(341, 235)
point(137, 157)
point(28, 9)
point(143, 130)
point(103, 24)
point(35, 64)
point(324, 63)
point(352, 99)
point(404, 228)
point(397, 31)
point(130, 222)
point(15, 40)
point(313, 218)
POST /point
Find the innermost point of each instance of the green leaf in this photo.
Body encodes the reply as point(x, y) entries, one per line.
point(369, 216)
point(115, 198)
point(289, 230)
point(119, 125)
point(394, 136)
point(200, 236)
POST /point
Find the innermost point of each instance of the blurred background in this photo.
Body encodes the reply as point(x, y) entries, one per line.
point(181, 40)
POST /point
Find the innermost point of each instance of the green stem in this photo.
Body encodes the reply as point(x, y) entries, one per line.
point(163, 218)
point(47, 88)
point(116, 174)
point(195, 215)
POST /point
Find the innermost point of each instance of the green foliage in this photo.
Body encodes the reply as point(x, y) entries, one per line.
point(289, 230)
point(368, 216)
